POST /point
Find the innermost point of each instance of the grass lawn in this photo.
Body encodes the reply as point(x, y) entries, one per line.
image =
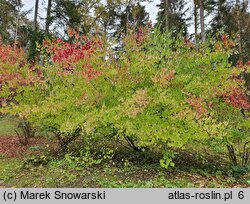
point(7, 126)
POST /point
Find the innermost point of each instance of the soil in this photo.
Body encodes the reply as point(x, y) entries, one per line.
point(11, 147)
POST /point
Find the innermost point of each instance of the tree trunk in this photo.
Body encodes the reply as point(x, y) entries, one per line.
point(36, 14)
point(167, 15)
point(196, 24)
point(202, 21)
point(127, 20)
point(16, 29)
point(238, 7)
point(48, 18)
point(220, 10)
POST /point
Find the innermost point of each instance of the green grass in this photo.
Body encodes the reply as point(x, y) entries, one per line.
point(109, 174)
point(7, 126)
point(13, 174)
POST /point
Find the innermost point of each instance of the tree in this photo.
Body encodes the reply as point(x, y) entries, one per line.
point(196, 22)
point(233, 18)
point(135, 16)
point(14, 24)
point(242, 18)
point(106, 16)
point(202, 21)
point(35, 35)
point(74, 14)
point(125, 15)
point(6, 19)
point(201, 10)
point(167, 14)
point(172, 16)
point(48, 18)
point(222, 18)
point(36, 14)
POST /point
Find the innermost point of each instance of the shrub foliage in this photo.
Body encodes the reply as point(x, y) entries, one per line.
point(154, 93)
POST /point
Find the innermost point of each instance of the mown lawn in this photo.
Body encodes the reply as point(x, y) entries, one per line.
point(38, 166)
point(7, 126)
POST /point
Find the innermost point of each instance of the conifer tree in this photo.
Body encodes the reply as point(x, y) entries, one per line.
point(172, 16)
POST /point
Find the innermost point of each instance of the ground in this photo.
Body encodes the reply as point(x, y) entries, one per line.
point(36, 165)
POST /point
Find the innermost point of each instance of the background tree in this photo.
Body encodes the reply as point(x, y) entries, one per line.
point(172, 16)
point(201, 10)
point(222, 17)
point(202, 20)
point(11, 18)
point(124, 15)
point(233, 18)
point(242, 20)
point(134, 16)
point(48, 17)
point(74, 14)
point(195, 10)
point(36, 14)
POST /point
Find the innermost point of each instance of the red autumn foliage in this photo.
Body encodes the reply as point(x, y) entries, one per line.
point(12, 55)
point(62, 51)
point(91, 73)
point(227, 42)
point(239, 64)
point(67, 55)
point(198, 104)
point(243, 67)
point(237, 99)
point(141, 34)
point(15, 72)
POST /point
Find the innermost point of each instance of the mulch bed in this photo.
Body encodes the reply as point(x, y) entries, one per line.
point(11, 147)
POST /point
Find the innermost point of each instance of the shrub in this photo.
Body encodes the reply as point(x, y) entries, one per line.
point(154, 93)
point(24, 132)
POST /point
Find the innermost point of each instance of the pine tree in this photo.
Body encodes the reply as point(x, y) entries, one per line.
point(222, 18)
point(172, 16)
point(233, 18)
point(36, 14)
point(48, 17)
point(14, 25)
point(196, 22)
point(135, 16)
point(202, 20)
point(120, 16)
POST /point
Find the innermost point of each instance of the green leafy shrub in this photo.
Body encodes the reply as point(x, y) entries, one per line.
point(154, 94)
